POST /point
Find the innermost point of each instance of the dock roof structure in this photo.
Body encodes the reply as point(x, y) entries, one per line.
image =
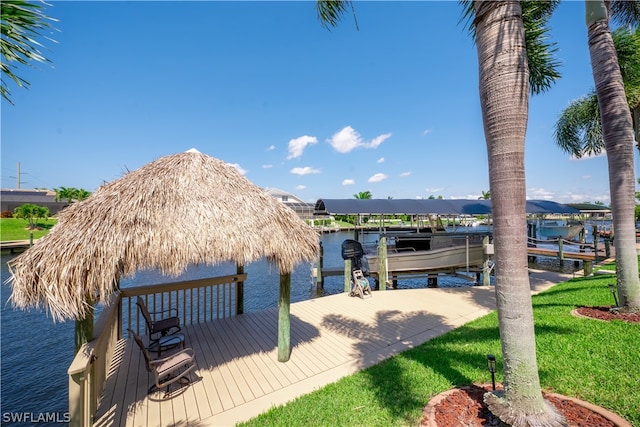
point(428, 207)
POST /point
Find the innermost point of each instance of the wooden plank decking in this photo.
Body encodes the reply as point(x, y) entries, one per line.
point(238, 374)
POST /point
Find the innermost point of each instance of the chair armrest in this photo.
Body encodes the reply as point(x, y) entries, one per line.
point(188, 351)
point(173, 312)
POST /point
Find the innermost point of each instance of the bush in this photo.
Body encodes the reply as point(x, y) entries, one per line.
point(6, 214)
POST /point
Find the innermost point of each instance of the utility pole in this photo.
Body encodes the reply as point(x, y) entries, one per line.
point(18, 177)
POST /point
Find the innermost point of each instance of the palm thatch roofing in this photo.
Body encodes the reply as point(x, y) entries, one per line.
point(179, 210)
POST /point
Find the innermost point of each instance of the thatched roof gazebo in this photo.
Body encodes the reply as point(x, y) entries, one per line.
point(179, 210)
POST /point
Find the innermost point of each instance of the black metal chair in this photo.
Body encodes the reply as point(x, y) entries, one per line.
point(162, 326)
point(170, 369)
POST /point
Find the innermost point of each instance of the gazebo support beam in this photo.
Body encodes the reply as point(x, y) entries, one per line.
point(284, 318)
point(84, 330)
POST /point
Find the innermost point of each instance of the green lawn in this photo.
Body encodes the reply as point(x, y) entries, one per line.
point(17, 229)
point(592, 360)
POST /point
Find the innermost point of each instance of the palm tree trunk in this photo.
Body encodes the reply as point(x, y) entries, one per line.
point(617, 132)
point(504, 97)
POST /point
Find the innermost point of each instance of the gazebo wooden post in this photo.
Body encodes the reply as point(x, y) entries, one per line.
point(84, 329)
point(284, 318)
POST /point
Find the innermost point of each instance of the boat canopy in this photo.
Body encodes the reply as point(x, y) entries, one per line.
point(427, 207)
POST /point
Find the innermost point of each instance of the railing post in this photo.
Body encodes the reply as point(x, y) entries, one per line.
point(382, 259)
point(488, 251)
point(240, 291)
point(560, 249)
point(319, 277)
point(347, 275)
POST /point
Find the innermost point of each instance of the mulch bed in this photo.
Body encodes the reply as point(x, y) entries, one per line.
point(465, 406)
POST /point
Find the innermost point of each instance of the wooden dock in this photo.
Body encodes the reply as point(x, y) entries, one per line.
point(13, 246)
point(239, 377)
point(238, 374)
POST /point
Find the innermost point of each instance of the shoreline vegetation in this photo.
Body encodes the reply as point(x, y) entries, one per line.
point(588, 359)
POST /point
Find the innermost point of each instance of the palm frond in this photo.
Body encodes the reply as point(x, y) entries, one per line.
point(22, 24)
point(625, 12)
point(330, 12)
point(578, 131)
point(543, 65)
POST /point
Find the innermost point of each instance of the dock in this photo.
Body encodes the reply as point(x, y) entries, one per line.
point(239, 377)
point(14, 246)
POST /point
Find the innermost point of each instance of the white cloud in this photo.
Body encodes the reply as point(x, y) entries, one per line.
point(377, 177)
point(539, 194)
point(347, 139)
point(380, 160)
point(586, 177)
point(271, 147)
point(267, 166)
point(433, 190)
point(603, 153)
point(403, 174)
point(301, 187)
point(297, 145)
point(348, 182)
point(426, 132)
point(238, 168)
point(307, 170)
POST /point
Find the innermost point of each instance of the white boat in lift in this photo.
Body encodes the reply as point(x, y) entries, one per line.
point(554, 229)
point(444, 253)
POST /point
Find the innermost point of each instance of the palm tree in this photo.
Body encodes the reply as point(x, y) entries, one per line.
point(578, 131)
point(617, 133)
point(503, 52)
point(505, 81)
point(81, 194)
point(22, 24)
point(486, 195)
point(65, 193)
point(363, 195)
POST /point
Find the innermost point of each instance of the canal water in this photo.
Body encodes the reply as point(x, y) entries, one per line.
point(36, 353)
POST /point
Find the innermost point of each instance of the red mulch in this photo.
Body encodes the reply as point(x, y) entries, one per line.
point(465, 406)
point(605, 313)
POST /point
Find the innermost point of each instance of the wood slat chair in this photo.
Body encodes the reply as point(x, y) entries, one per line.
point(162, 326)
point(167, 370)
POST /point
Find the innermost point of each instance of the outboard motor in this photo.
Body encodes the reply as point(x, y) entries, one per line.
point(352, 249)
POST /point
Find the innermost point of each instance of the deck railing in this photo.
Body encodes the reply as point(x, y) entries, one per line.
point(197, 301)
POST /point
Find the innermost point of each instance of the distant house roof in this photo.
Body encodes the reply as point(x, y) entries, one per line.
point(283, 196)
point(427, 206)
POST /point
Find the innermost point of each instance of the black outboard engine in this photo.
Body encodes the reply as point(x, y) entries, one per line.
point(352, 249)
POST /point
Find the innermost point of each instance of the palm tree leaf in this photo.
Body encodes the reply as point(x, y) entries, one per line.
point(543, 66)
point(22, 23)
point(330, 11)
point(578, 131)
point(625, 12)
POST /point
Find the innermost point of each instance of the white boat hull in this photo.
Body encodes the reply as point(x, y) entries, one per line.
point(453, 257)
point(561, 231)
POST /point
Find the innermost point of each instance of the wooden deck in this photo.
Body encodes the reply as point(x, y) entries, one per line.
point(238, 374)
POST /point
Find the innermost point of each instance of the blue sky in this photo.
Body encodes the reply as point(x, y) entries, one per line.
point(391, 108)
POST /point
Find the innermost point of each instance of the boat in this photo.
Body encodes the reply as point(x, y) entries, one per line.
point(442, 253)
point(554, 229)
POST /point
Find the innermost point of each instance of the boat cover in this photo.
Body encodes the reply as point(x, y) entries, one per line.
point(428, 206)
